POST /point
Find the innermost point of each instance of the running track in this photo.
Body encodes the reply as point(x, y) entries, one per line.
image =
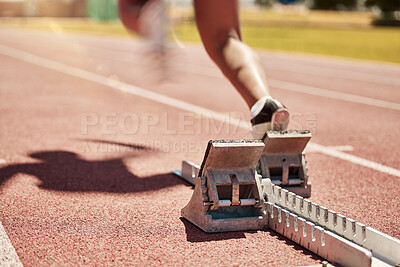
point(91, 128)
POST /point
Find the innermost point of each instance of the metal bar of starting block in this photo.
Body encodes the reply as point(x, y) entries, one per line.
point(314, 238)
point(227, 202)
point(189, 171)
point(291, 182)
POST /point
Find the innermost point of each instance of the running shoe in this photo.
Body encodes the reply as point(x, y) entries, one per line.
point(268, 114)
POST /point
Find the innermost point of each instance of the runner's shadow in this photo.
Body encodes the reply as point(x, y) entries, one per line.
point(67, 171)
point(129, 147)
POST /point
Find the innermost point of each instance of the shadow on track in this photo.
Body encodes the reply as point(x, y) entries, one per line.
point(129, 147)
point(67, 171)
point(194, 234)
point(295, 246)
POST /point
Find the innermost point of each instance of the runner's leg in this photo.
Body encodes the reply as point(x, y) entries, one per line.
point(219, 28)
point(129, 11)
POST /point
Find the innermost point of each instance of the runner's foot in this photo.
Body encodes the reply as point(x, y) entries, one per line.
point(268, 114)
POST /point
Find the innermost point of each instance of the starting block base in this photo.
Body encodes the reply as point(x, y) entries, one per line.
point(225, 219)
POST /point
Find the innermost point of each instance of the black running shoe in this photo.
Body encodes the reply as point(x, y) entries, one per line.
point(273, 116)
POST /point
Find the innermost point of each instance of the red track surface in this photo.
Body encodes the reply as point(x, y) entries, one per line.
point(100, 195)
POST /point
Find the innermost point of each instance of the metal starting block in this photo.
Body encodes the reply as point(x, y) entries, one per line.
point(283, 160)
point(230, 195)
point(227, 194)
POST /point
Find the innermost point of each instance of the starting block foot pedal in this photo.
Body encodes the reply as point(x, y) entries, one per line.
point(227, 194)
point(283, 160)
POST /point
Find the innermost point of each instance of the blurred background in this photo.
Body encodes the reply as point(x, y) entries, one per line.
point(362, 29)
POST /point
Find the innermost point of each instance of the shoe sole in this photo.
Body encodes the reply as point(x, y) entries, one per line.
point(280, 119)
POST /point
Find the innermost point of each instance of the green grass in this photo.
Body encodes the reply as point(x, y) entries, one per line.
point(306, 17)
point(381, 44)
point(372, 44)
point(327, 33)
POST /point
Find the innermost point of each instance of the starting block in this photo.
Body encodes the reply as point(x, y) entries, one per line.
point(283, 160)
point(227, 194)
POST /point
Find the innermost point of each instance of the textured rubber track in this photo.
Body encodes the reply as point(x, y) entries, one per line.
point(101, 195)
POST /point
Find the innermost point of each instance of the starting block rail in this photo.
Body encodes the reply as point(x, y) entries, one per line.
point(229, 195)
point(384, 248)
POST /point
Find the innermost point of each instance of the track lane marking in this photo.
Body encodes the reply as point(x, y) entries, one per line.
point(297, 68)
point(169, 101)
point(8, 255)
point(337, 61)
point(294, 60)
point(305, 89)
point(353, 159)
point(342, 148)
point(334, 74)
point(278, 84)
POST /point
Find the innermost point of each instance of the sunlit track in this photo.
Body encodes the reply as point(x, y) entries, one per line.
point(278, 84)
point(98, 192)
point(8, 256)
point(177, 103)
point(301, 66)
point(338, 63)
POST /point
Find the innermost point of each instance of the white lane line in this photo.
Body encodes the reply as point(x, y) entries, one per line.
point(304, 89)
point(278, 84)
point(337, 148)
point(8, 255)
point(272, 61)
point(327, 72)
point(293, 87)
point(354, 159)
point(284, 66)
point(334, 62)
point(169, 101)
point(337, 62)
point(276, 64)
